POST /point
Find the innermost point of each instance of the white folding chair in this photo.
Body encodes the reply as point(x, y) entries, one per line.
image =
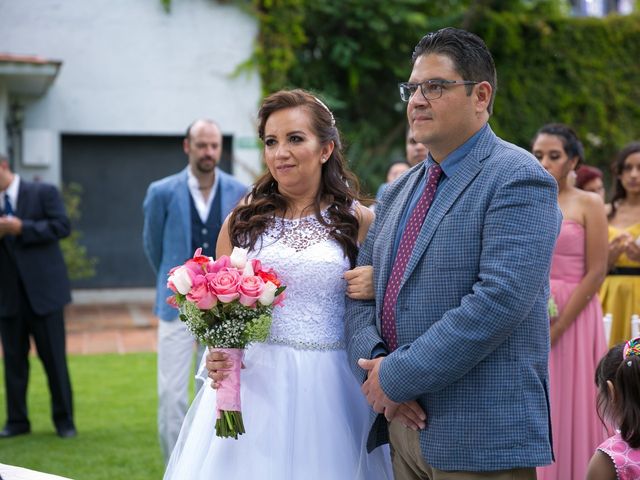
point(607, 320)
point(635, 326)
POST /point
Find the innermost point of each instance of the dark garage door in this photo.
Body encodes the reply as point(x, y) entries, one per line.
point(114, 173)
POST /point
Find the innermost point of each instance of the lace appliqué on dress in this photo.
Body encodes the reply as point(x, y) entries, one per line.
point(312, 317)
point(299, 234)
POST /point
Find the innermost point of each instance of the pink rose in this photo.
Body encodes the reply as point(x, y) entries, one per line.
point(224, 284)
point(256, 265)
point(219, 264)
point(171, 300)
point(200, 294)
point(250, 290)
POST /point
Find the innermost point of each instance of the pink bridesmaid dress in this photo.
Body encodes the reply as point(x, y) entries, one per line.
point(577, 430)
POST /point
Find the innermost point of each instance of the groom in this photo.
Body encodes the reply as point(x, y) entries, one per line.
point(461, 249)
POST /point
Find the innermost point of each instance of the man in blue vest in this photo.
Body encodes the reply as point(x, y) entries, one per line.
point(183, 212)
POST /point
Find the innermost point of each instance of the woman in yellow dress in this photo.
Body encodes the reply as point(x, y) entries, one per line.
point(620, 292)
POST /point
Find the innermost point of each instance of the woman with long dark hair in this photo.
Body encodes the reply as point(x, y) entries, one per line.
point(620, 292)
point(303, 410)
point(577, 333)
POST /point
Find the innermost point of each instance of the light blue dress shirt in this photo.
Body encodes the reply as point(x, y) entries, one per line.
point(449, 167)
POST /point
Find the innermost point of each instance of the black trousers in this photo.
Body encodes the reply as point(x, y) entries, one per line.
point(49, 336)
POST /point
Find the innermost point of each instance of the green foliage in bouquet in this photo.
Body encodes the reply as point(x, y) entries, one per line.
point(219, 326)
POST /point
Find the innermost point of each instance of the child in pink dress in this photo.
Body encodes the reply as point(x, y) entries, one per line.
point(618, 381)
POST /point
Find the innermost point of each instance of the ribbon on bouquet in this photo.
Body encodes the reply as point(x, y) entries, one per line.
point(228, 391)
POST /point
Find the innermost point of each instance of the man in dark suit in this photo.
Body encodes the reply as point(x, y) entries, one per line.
point(34, 288)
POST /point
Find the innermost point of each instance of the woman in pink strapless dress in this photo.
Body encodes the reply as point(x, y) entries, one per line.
point(577, 332)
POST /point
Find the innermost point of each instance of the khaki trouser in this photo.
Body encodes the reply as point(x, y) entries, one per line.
point(409, 464)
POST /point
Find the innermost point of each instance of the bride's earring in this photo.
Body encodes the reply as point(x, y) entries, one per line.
point(323, 160)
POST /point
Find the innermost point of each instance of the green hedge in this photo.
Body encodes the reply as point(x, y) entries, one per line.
point(551, 67)
point(581, 71)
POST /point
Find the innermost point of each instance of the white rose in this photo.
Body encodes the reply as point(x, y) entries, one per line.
point(248, 270)
point(268, 295)
point(238, 257)
point(182, 280)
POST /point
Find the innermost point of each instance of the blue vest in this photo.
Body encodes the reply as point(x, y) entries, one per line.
point(205, 235)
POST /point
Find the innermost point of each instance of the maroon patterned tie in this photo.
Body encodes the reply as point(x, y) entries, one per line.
point(408, 240)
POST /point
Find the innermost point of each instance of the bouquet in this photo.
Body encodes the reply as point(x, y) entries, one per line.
point(552, 307)
point(226, 304)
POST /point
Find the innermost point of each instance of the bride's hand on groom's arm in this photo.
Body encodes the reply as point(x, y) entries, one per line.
point(360, 283)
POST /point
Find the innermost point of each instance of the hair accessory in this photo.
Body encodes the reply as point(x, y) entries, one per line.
point(333, 120)
point(631, 348)
point(629, 363)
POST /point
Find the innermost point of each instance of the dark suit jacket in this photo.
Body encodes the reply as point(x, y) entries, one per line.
point(34, 257)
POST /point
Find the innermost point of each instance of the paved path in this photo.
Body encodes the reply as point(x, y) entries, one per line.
point(113, 321)
point(110, 328)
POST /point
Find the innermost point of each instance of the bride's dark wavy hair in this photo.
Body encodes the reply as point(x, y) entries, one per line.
point(339, 188)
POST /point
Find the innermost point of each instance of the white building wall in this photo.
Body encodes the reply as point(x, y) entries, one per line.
point(130, 68)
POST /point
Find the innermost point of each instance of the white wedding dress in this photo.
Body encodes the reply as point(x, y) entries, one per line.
point(304, 413)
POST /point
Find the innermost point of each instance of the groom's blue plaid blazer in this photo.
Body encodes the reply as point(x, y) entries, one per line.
point(471, 314)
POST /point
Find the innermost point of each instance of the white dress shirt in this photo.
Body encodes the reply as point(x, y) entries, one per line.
point(12, 190)
point(202, 206)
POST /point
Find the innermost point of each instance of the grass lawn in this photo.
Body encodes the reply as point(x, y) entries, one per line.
point(115, 412)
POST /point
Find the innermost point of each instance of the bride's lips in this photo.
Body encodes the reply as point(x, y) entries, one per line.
point(284, 168)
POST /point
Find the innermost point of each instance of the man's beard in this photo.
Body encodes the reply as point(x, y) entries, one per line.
point(203, 167)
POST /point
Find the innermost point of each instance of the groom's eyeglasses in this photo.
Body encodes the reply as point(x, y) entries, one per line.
point(431, 89)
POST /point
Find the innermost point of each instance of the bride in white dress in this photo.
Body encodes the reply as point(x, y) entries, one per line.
point(304, 413)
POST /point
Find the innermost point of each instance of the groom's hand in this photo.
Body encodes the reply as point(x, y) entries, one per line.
point(411, 415)
point(373, 391)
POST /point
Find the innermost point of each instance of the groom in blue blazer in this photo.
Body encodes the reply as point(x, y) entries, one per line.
point(452, 353)
point(183, 212)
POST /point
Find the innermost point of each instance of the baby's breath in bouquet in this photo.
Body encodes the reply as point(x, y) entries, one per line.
point(226, 304)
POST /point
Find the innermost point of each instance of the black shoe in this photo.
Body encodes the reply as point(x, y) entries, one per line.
point(9, 431)
point(69, 432)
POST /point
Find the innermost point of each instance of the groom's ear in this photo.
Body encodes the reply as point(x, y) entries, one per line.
point(482, 93)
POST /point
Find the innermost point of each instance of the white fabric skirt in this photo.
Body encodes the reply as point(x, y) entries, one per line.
point(304, 415)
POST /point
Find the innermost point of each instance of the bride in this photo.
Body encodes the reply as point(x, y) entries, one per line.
point(303, 410)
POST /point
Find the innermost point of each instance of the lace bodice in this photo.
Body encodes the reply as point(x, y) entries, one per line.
point(311, 265)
